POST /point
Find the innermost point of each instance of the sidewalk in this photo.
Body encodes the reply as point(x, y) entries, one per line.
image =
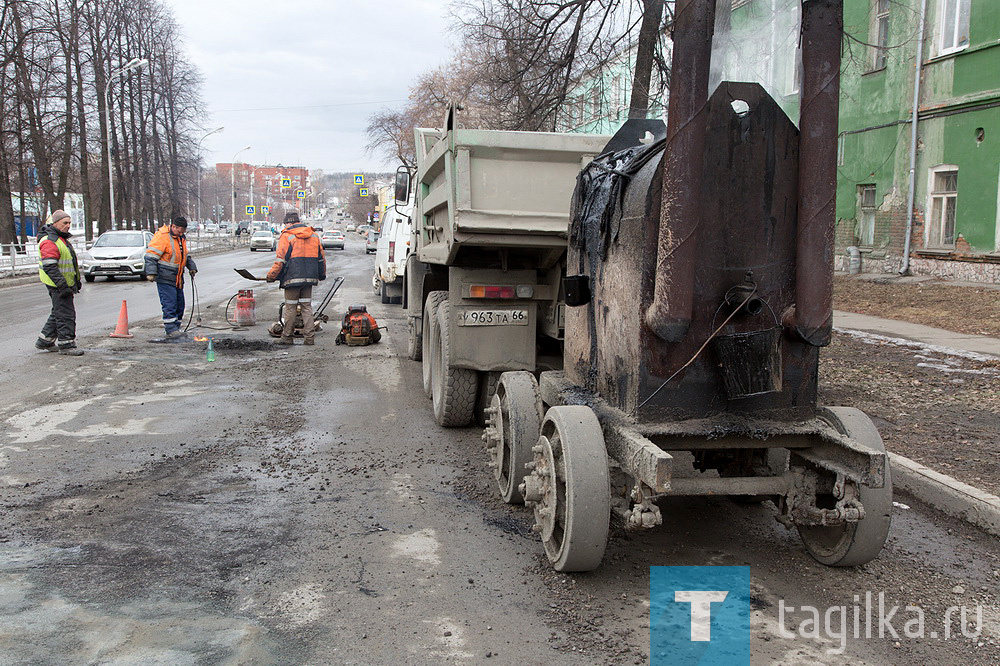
point(940, 491)
point(938, 337)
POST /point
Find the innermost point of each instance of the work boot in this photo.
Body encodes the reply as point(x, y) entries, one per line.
point(173, 335)
point(46, 345)
point(309, 341)
point(71, 351)
point(285, 341)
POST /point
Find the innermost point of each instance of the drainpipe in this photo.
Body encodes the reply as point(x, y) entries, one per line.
point(905, 270)
point(670, 313)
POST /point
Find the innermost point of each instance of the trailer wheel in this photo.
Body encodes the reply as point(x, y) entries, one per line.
point(434, 299)
point(454, 390)
point(569, 488)
point(514, 421)
point(857, 543)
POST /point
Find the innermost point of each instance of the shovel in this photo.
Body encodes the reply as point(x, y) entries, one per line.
point(248, 275)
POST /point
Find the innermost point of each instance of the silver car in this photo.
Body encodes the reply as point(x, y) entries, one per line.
point(116, 254)
point(262, 240)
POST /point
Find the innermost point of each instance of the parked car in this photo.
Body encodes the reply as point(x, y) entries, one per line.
point(391, 253)
point(211, 228)
point(116, 254)
point(263, 240)
point(371, 242)
point(332, 239)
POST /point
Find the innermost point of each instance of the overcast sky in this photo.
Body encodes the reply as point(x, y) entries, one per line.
point(297, 81)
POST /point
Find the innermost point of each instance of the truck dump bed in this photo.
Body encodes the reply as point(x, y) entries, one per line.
point(487, 188)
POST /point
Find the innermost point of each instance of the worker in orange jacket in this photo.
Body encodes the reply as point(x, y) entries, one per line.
point(166, 258)
point(299, 265)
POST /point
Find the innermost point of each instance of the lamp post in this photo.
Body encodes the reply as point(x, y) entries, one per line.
point(134, 63)
point(252, 172)
point(217, 129)
point(232, 181)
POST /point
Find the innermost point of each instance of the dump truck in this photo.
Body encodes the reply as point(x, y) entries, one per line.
point(698, 298)
point(483, 288)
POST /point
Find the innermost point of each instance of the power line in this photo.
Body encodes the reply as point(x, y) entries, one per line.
point(312, 106)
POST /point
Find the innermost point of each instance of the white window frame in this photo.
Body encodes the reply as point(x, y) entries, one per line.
point(949, 43)
point(934, 229)
point(879, 49)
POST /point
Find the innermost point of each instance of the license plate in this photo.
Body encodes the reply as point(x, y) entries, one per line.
point(493, 318)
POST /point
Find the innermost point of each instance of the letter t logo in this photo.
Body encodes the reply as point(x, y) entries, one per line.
point(701, 610)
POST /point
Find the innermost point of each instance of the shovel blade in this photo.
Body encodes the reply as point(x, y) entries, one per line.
point(247, 274)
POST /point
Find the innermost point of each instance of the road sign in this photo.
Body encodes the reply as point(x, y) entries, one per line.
point(286, 182)
point(375, 216)
point(250, 210)
point(265, 210)
point(364, 191)
point(300, 194)
point(359, 179)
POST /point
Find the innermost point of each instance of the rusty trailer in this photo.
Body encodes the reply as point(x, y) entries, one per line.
point(699, 296)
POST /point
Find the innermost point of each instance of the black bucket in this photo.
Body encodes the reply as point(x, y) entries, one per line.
point(750, 363)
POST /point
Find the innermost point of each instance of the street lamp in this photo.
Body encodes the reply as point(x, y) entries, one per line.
point(252, 172)
point(217, 129)
point(134, 63)
point(232, 181)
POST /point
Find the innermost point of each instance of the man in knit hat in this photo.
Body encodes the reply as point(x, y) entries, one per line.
point(59, 270)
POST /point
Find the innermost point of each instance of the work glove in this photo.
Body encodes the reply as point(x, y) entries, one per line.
point(269, 279)
point(192, 272)
point(64, 290)
point(151, 278)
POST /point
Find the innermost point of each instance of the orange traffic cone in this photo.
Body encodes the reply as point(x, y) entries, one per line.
point(121, 330)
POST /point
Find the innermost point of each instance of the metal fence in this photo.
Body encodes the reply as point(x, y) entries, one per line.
point(22, 258)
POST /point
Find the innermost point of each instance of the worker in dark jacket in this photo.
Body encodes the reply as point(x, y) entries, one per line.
point(59, 270)
point(299, 265)
point(166, 258)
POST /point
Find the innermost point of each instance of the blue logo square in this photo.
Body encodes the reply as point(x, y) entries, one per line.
point(699, 615)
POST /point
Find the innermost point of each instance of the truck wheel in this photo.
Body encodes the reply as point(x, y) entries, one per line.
point(569, 488)
point(414, 340)
point(434, 299)
point(857, 543)
point(514, 421)
point(454, 390)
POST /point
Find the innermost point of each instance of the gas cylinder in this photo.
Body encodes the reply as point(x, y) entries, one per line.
point(245, 304)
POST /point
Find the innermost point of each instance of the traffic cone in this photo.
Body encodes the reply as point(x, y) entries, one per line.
point(121, 330)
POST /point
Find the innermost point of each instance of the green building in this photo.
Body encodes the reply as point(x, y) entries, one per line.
point(952, 228)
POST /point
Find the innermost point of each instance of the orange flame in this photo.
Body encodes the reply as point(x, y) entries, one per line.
point(199, 338)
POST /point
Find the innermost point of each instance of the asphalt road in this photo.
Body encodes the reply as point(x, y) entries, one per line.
point(300, 506)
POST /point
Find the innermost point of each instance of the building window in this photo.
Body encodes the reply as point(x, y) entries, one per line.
point(866, 215)
point(953, 23)
point(880, 33)
point(944, 197)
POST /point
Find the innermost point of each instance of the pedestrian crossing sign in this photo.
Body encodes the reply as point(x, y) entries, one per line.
point(300, 194)
point(286, 182)
point(364, 191)
point(250, 210)
point(359, 179)
point(265, 210)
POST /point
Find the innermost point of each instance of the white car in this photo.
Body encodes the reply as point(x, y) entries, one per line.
point(391, 252)
point(263, 240)
point(116, 254)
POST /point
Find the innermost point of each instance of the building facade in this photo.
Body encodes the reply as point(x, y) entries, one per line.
point(938, 196)
point(262, 185)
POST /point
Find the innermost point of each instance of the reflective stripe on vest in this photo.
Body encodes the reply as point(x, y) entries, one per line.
point(65, 266)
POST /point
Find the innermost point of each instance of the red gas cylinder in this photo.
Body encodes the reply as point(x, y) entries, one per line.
point(245, 304)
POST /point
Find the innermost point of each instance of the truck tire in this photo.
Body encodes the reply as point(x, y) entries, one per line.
point(414, 340)
point(434, 299)
point(454, 390)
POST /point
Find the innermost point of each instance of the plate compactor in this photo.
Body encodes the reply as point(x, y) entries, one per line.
point(319, 315)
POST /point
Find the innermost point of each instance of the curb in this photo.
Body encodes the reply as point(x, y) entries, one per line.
point(946, 494)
